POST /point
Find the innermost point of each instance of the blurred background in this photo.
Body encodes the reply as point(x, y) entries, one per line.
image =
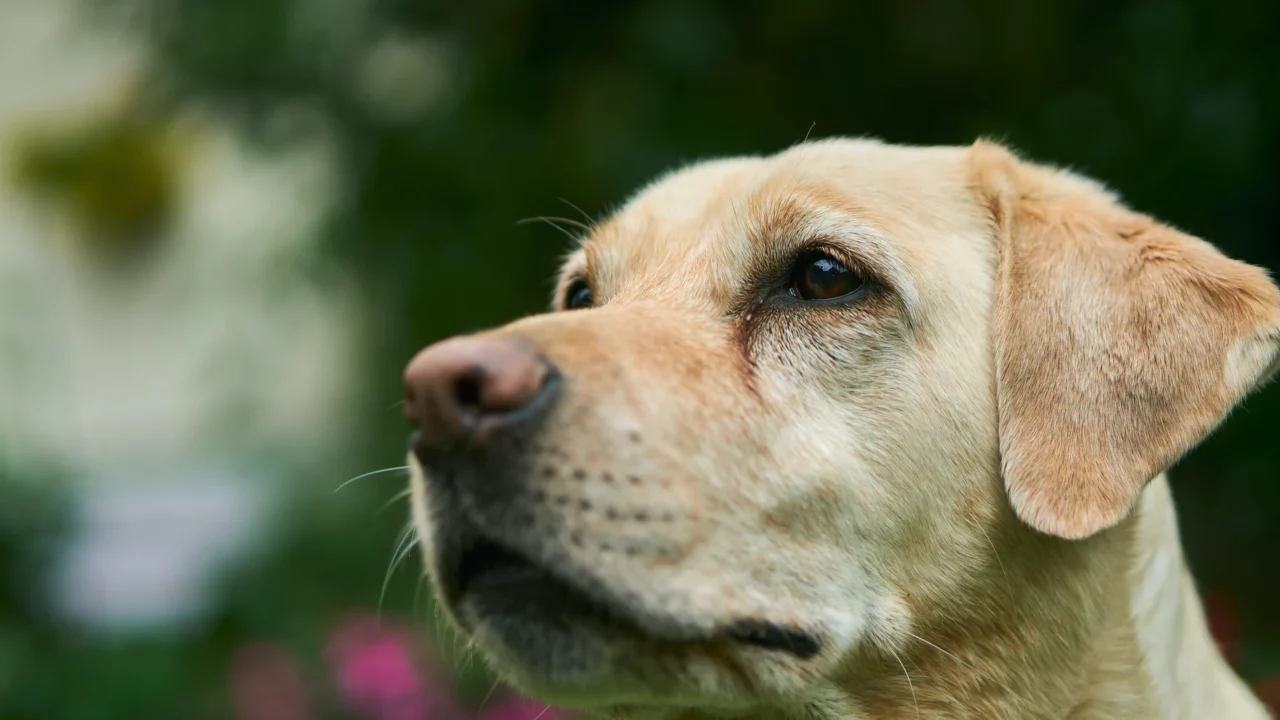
point(226, 224)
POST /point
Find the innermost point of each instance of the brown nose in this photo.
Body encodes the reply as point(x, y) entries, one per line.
point(463, 390)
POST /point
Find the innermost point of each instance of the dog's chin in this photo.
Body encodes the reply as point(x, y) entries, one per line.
point(565, 644)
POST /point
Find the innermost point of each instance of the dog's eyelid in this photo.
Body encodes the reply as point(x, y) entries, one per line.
point(571, 285)
point(575, 268)
point(867, 254)
point(851, 260)
point(873, 275)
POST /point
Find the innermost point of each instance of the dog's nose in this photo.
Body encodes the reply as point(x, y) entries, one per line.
point(463, 390)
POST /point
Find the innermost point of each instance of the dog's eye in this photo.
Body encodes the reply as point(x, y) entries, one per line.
point(819, 276)
point(578, 295)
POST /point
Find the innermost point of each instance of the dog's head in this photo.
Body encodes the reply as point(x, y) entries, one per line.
point(787, 409)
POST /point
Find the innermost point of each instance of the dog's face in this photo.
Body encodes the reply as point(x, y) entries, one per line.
point(786, 409)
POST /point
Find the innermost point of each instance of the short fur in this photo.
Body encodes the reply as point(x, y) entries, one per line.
point(953, 481)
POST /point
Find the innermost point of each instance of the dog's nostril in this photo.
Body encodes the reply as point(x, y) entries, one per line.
point(467, 392)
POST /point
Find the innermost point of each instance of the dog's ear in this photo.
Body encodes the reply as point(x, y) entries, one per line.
point(1119, 342)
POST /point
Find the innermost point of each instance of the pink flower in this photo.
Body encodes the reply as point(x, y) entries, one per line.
point(379, 677)
point(266, 684)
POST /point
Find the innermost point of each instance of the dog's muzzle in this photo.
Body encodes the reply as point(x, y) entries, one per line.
point(505, 555)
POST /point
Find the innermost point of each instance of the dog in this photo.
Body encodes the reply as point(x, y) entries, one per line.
point(856, 430)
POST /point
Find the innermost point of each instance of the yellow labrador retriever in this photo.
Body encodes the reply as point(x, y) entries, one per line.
point(852, 431)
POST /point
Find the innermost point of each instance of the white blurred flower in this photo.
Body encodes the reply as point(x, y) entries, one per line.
point(233, 342)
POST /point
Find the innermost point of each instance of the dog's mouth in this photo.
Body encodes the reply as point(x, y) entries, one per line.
point(496, 581)
point(486, 565)
point(487, 571)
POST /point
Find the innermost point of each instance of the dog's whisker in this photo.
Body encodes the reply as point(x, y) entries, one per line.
point(996, 553)
point(395, 404)
point(555, 223)
point(489, 695)
point(417, 613)
point(585, 227)
point(370, 474)
point(916, 665)
point(401, 537)
point(408, 538)
point(939, 649)
point(910, 685)
point(590, 220)
point(544, 712)
point(449, 632)
point(396, 498)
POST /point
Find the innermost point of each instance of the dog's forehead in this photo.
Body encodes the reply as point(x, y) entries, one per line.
point(673, 233)
point(695, 231)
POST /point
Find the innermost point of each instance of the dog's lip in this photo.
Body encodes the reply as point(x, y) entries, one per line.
point(482, 566)
point(486, 566)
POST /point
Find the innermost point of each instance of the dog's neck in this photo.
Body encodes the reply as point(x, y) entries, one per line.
point(1190, 677)
point(1076, 632)
point(1085, 632)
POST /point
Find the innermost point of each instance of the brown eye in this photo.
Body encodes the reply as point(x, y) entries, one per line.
point(578, 296)
point(819, 276)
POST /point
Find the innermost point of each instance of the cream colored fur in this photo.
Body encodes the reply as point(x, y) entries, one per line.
point(948, 481)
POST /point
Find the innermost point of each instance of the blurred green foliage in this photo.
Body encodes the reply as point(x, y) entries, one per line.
point(1174, 103)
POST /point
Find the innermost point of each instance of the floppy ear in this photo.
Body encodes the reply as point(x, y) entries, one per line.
point(1119, 343)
